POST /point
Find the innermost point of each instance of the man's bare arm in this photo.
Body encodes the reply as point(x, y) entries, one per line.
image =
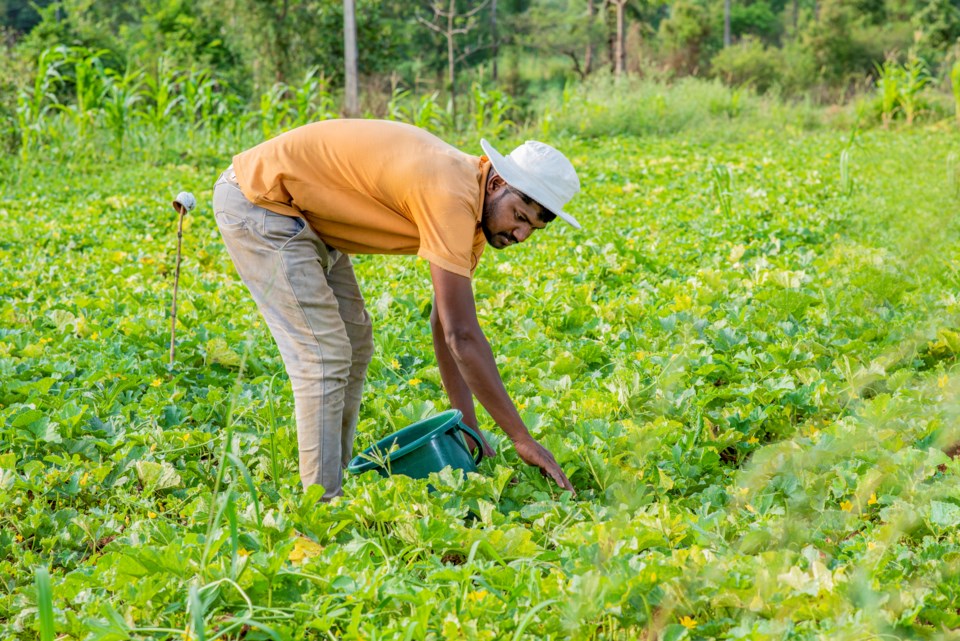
point(457, 314)
point(461, 397)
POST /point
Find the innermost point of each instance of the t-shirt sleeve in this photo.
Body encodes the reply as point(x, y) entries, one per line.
point(479, 244)
point(448, 229)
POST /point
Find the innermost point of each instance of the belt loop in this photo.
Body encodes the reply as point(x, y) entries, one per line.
point(231, 176)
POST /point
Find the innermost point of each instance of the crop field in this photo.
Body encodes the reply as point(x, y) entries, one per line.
point(746, 363)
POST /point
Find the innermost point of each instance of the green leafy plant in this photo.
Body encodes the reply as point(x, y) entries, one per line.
point(121, 95)
point(889, 78)
point(36, 102)
point(491, 110)
point(914, 78)
point(88, 84)
point(160, 95)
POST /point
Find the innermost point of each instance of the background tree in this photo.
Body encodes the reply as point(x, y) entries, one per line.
point(563, 27)
point(938, 26)
point(684, 36)
point(449, 21)
point(351, 97)
point(726, 23)
point(620, 38)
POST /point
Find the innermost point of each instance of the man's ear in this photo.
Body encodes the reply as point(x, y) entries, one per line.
point(495, 184)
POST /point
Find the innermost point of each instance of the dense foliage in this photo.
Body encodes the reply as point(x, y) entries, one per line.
point(746, 363)
point(827, 47)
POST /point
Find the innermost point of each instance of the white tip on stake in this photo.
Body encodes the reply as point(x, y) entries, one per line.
point(186, 200)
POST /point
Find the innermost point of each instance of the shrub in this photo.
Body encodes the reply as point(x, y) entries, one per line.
point(749, 62)
point(799, 70)
point(830, 40)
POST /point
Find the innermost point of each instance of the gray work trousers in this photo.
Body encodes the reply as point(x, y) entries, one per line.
point(309, 297)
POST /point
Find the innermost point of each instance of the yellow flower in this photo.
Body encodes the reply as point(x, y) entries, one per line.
point(478, 595)
point(753, 440)
point(156, 382)
point(303, 549)
point(688, 622)
point(94, 336)
point(871, 545)
point(18, 537)
point(152, 514)
point(395, 364)
point(84, 478)
point(846, 506)
point(751, 509)
point(415, 381)
point(942, 381)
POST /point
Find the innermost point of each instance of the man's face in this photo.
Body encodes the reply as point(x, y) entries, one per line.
point(507, 219)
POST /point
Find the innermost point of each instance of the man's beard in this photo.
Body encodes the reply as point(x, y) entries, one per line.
point(502, 240)
point(485, 216)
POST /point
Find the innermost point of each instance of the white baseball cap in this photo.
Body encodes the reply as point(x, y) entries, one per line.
point(539, 171)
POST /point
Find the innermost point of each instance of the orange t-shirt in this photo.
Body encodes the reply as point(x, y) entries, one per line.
point(373, 187)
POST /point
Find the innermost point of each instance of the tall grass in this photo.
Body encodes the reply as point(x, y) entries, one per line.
point(955, 86)
point(606, 106)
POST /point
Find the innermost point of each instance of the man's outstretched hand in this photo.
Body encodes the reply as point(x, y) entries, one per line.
point(532, 453)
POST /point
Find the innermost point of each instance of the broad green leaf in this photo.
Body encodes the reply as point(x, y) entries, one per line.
point(157, 476)
point(944, 514)
point(219, 353)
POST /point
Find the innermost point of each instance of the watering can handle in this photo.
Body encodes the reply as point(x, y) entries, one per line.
point(476, 437)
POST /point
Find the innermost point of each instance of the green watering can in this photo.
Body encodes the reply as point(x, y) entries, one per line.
point(421, 448)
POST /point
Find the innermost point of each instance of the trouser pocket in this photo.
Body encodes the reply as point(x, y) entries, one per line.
point(279, 230)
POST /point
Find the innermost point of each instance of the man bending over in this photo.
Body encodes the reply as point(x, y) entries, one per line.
point(291, 210)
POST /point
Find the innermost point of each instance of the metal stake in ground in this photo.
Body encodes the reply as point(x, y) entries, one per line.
point(183, 203)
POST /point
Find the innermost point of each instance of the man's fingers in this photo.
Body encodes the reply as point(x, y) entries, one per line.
point(561, 479)
point(556, 473)
point(541, 457)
